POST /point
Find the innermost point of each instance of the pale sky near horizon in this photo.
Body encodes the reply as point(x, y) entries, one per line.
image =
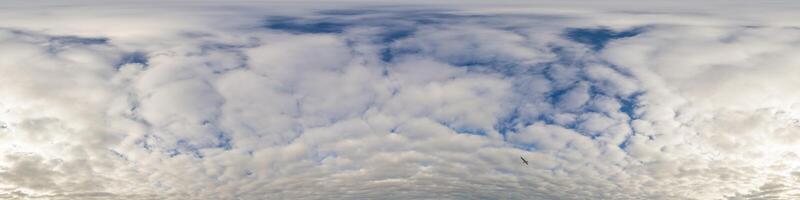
point(250, 100)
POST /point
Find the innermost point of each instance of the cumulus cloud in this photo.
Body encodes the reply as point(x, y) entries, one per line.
point(246, 100)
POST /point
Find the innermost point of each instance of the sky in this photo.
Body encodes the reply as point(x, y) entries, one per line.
point(247, 100)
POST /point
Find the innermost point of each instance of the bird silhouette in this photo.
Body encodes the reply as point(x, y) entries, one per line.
point(523, 160)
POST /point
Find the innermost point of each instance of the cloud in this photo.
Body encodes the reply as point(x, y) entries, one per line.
point(247, 100)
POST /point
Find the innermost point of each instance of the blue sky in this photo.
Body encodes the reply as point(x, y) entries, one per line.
point(366, 100)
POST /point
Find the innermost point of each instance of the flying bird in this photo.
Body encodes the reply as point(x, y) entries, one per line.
point(523, 160)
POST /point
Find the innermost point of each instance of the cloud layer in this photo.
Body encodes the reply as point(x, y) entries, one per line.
point(437, 101)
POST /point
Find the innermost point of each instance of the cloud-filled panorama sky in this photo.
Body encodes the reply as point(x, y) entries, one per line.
point(250, 100)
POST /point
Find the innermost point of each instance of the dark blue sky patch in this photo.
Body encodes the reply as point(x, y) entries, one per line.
point(406, 12)
point(389, 54)
point(132, 58)
point(298, 25)
point(512, 123)
point(629, 105)
point(553, 97)
point(394, 34)
point(595, 91)
point(386, 56)
point(470, 131)
point(625, 143)
point(597, 38)
point(59, 43)
point(393, 23)
point(508, 123)
point(224, 141)
point(471, 60)
point(563, 56)
point(397, 23)
point(546, 118)
point(433, 18)
point(526, 147)
point(209, 47)
point(507, 69)
point(349, 12)
point(67, 40)
point(388, 37)
point(464, 130)
point(184, 147)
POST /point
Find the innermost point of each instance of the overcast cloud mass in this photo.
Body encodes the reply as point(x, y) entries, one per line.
point(378, 100)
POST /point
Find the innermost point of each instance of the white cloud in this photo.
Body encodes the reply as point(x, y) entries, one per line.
point(247, 100)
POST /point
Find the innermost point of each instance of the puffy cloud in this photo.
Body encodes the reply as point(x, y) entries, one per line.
point(247, 100)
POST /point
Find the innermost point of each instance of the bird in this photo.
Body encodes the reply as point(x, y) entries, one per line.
point(523, 160)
